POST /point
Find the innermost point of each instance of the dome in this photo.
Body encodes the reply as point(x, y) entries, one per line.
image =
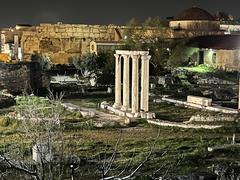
point(194, 13)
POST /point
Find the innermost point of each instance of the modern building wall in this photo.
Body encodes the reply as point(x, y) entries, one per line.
point(223, 59)
point(195, 25)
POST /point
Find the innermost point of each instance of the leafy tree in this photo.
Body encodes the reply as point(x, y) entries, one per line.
point(43, 60)
point(180, 54)
point(140, 38)
point(224, 16)
point(155, 22)
point(107, 67)
point(98, 67)
point(132, 38)
point(87, 65)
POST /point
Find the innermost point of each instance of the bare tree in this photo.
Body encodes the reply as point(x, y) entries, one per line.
point(129, 170)
point(40, 121)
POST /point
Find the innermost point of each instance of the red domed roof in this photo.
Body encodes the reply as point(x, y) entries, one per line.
point(194, 13)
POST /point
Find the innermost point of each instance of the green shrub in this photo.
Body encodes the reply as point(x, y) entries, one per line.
point(4, 122)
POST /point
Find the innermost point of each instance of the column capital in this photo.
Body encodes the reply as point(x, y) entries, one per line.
point(125, 56)
point(135, 57)
point(116, 56)
point(146, 57)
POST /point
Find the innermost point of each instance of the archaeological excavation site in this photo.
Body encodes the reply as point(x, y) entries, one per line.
point(155, 98)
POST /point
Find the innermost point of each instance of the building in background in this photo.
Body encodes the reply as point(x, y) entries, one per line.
point(61, 42)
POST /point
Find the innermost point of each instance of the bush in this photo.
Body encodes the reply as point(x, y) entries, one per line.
point(180, 54)
point(4, 122)
point(43, 60)
point(99, 67)
point(42, 106)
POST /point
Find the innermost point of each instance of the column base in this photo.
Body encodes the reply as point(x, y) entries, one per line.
point(148, 115)
point(127, 113)
point(124, 108)
point(117, 106)
point(133, 115)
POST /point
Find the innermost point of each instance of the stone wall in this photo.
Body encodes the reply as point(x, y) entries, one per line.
point(228, 59)
point(63, 41)
point(21, 76)
point(176, 34)
point(224, 59)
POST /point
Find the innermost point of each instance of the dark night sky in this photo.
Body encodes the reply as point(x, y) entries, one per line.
point(101, 11)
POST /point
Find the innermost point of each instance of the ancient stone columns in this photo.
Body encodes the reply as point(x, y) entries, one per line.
point(238, 91)
point(137, 58)
point(126, 84)
point(145, 82)
point(117, 81)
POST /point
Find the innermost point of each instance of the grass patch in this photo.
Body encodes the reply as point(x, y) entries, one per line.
point(180, 150)
point(171, 112)
point(200, 69)
point(91, 102)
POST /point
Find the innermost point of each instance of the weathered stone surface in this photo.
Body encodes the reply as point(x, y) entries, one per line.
point(71, 107)
point(199, 100)
point(41, 152)
point(89, 113)
point(52, 38)
point(19, 77)
point(206, 79)
point(200, 118)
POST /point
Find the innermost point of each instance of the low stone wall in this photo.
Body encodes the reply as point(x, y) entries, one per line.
point(199, 100)
point(217, 118)
point(214, 108)
point(182, 125)
point(21, 76)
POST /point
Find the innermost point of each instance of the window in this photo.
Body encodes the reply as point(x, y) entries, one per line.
point(214, 57)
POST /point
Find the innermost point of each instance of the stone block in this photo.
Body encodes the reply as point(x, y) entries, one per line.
point(61, 30)
point(88, 114)
point(151, 115)
point(70, 107)
point(104, 105)
point(120, 113)
point(41, 151)
point(110, 108)
point(199, 100)
point(129, 120)
point(86, 30)
point(95, 30)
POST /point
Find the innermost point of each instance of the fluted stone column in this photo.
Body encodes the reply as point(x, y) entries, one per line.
point(126, 82)
point(16, 45)
point(145, 82)
point(117, 81)
point(3, 41)
point(135, 103)
point(239, 91)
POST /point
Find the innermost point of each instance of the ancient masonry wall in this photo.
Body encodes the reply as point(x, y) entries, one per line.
point(19, 77)
point(63, 41)
point(228, 59)
point(224, 59)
